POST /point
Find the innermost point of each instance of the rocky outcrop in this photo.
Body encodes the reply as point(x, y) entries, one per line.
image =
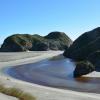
point(24, 42)
point(94, 58)
point(58, 40)
point(83, 68)
point(85, 45)
point(59, 36)
point(86, 51)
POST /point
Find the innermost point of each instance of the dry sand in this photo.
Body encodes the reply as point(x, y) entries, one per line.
point(6, 97)
point(40, 92)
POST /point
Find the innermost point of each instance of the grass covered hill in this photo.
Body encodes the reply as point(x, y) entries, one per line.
point(25, 42)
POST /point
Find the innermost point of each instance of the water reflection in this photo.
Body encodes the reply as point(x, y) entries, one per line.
point(93, 80)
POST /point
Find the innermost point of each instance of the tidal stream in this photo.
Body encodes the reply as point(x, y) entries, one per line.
point(54, 73)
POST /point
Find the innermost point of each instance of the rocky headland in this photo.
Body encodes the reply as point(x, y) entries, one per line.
point(86, 51)
point(27, 42)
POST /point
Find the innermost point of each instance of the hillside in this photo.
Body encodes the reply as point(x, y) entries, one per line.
point(25, 42)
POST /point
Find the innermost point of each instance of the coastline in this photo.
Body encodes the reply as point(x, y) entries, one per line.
point(40, 92)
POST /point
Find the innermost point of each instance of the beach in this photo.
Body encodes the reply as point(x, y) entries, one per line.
point(41, 92)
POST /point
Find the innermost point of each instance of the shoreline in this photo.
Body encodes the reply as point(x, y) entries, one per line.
point(41, 92)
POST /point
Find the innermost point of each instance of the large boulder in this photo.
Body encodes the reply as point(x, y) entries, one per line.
point(83, 68)
point(24, 42)
point(85, 45)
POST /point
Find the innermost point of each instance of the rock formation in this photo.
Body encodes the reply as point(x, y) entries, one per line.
point(85, 45)
point(83, 68)
point(24, 42)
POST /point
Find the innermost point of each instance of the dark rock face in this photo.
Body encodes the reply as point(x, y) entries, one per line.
point(40, 46)
point(85, 48)
point(85, 45)
point(94, 58)
point(83, 68)
point(24, 42)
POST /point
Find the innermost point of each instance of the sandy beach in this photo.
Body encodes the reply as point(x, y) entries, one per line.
point(43, 92)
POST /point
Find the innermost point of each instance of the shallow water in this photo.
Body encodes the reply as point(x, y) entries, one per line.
point(62, 68)
point(55, 73)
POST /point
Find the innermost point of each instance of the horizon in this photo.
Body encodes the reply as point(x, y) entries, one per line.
point(43, 17)
point(46, 34)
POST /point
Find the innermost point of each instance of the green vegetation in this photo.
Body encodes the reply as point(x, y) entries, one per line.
point(16, 93)
point(24, 42)
point(61, 36)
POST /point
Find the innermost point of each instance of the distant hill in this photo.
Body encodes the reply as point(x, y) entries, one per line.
point(25, 42)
